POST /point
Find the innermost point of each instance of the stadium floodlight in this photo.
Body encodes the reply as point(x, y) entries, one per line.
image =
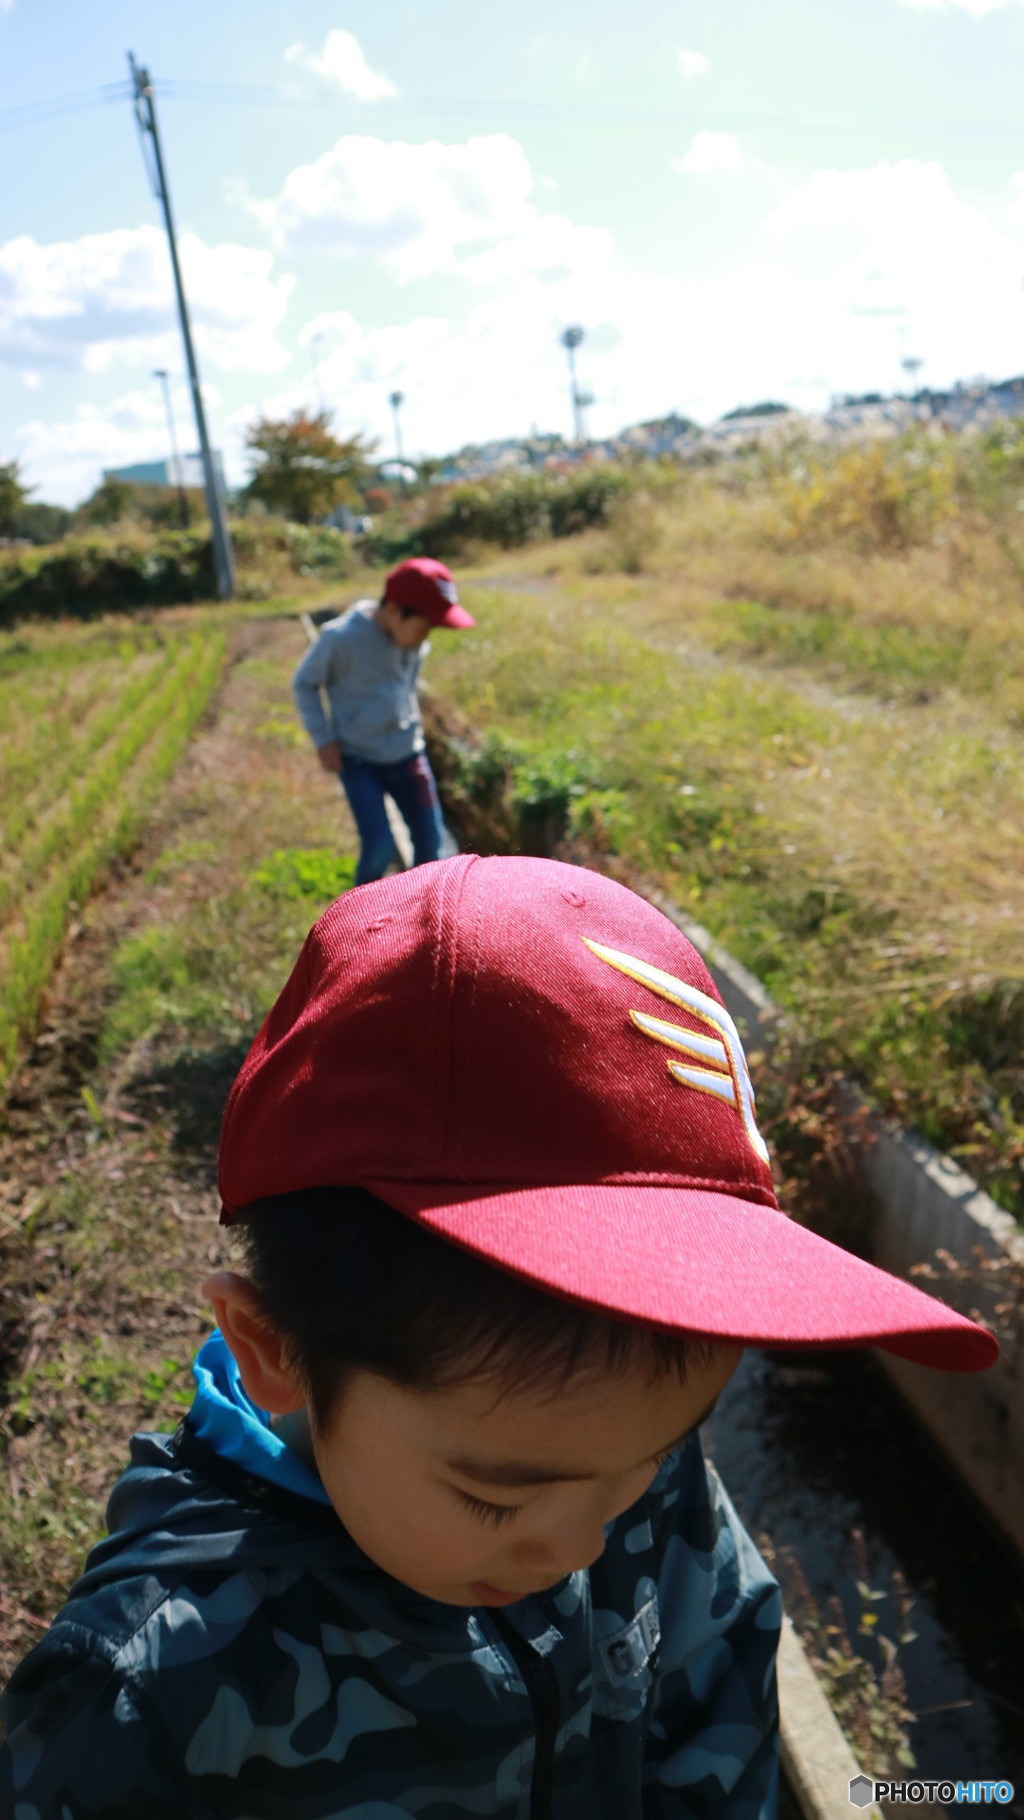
point(571, 339)
point(911, 364)
point(396, 401)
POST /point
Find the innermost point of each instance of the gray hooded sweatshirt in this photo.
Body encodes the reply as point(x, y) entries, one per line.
point(370, 688)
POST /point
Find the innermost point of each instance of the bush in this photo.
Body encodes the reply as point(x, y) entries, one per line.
point(520, 508)
point(87, 575)
point(879, 495)
point(319, 550)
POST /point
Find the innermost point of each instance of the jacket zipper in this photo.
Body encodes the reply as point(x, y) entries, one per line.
point(542, 1687)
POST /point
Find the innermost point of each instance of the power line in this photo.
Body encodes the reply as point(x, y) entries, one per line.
point(294, 95)
point(288, 94)
point(31, 111)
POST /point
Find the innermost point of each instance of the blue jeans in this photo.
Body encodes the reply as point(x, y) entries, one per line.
point(411, 787)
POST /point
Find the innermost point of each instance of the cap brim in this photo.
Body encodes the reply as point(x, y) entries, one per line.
point(690, 1258)
point(455, 616)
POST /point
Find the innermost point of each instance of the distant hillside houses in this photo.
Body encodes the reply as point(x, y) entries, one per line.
point(849, 419)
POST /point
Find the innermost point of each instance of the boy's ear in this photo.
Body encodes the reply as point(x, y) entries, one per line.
point(259, 1351)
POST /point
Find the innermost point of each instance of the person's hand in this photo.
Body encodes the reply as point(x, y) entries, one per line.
point(330, 757)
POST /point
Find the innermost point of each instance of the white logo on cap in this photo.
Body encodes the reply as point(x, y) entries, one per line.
point(447, 588)
point(725, 1074)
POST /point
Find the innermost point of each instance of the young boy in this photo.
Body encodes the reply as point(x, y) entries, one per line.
point(437, 1538)
point(367, 663)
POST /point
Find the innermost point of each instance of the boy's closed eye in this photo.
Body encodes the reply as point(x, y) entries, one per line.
point(512, 1473)
point(499, 1514)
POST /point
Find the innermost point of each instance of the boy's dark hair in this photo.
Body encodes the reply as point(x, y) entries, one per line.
point(355, 1286)
point(403, 612)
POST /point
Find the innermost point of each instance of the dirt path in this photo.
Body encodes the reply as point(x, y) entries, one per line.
point(108, 1209)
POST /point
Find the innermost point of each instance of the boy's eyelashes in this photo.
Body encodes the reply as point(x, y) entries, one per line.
point(497, 1514)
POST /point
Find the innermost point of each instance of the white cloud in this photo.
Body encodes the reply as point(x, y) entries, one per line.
point(710, 153)
point(342, 61)
point(428, 208)
point(106, 300)
point(692, 64)
point(976, 8)
point(897, 226)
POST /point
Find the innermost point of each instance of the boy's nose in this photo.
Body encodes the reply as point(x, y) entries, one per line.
point(563, 1551)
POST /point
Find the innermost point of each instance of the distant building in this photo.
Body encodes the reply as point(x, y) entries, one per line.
point(187, 471)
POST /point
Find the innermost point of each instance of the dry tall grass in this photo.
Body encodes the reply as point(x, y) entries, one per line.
point(810, 729)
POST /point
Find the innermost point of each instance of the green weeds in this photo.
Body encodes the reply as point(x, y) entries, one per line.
point(309, 875)
point(889, 659)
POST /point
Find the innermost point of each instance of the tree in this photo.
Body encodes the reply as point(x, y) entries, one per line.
point(301, 468)
point(769, 407)
point(13, 495)
point(42, 523)
point(429, 469)
point(113, 500)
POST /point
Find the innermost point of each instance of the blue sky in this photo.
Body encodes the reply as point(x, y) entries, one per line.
point(735, 200)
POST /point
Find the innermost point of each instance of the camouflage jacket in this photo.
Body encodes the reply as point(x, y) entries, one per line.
point(230, 1654)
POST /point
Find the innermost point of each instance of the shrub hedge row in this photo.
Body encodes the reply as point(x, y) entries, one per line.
point(89, 575)
point(508, 510)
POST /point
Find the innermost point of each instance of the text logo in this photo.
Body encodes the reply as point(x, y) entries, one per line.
point(864, 1791)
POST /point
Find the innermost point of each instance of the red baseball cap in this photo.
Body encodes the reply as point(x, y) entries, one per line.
point(534, 1063)
point(428, 588)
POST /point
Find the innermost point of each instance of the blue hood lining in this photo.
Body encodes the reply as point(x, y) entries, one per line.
point(228, 1421)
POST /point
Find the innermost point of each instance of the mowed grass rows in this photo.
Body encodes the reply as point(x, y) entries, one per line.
point(94, 721)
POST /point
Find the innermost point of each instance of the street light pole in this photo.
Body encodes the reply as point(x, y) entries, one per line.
point(315, 364)
point(223, 555)
point(164, 378)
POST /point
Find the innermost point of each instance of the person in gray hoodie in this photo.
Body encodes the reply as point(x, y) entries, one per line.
point(366, 664)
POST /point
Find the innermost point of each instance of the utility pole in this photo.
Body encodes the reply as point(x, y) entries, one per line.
point(315, 368)
point(570, 339)
point(223, 555)
point(161, 373)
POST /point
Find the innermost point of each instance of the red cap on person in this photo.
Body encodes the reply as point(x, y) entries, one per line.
point(427, 587)
point(533, 1062)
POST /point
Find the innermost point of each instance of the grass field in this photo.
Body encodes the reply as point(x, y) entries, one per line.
point(817, 753)
point(813, 747)
point(108, 1214)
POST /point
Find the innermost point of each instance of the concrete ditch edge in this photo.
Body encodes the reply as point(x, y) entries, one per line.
point(817, 1761)
point(923, 1204)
